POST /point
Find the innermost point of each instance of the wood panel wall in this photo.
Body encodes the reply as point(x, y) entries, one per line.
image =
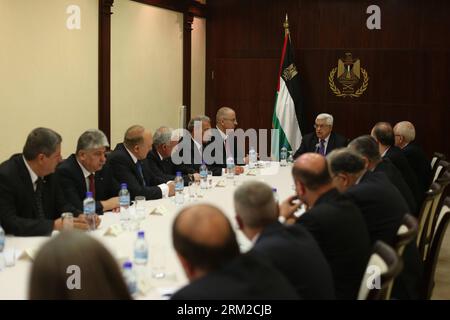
point(408, 62)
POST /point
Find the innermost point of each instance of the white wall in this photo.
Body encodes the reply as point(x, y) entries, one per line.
point(146, 67)
point(198, 64)
point(48, 74)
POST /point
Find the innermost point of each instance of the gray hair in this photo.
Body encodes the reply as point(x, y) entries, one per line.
point(327, 117)
point(163, 135)
point(367, 147)
point(255, 204)
point(405, 129)
point(345, 160)
point(41, 140)
point(92, 139)
point(221, 113)
point(200, 118)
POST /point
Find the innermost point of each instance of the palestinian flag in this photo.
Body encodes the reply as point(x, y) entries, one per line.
point(287, 114)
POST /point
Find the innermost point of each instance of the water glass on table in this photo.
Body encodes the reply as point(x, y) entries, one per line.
point(210, 180)
point(158, 261)
point(67, 220)
point(139, 203)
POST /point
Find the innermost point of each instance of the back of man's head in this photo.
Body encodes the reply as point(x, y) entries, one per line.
point(383, 133)
point(92, 139)
point(203, 236)
point(312, 171)
point(255, 204)
point(345, 160)
point(133, 136)
point(367, 147)
point(41, 141)
point(405, 129)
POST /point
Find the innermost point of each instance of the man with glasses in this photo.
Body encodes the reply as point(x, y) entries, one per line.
point(323, 140)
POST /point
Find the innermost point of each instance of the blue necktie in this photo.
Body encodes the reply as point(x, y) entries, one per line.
point(322, 147)
point(141, 173)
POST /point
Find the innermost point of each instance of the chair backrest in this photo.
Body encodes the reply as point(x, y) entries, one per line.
point(441, 167)
point(405, 234)
point(444, 182)
point(435, 248)
point(383, 266)
point(424, 214)
point(435, 159)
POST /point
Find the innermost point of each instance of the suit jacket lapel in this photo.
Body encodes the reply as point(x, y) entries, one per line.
point(28, 185)
point(331, 143)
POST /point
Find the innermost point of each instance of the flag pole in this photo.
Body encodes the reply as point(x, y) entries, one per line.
point(286, 27)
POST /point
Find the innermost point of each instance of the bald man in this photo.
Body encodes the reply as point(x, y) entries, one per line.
point(335, 223)
point(129, 164)
point(226, 122)
point(405, 134)
point(207, 249)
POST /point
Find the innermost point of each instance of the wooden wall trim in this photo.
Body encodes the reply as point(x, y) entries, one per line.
point(104, 67)
point(188, 20)
point(196, 8)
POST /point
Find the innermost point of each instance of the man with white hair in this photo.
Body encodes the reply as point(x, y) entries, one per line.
point(159, 158)
point(323, 140)
point(86, 171)
point(405, 134)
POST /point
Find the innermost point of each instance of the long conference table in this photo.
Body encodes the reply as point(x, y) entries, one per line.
point(157, 224)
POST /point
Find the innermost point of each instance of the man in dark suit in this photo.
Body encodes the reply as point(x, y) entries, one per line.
point(31, 198)
point(209, 253)
point(323, 140)
point(335, 223)
point(129, 164)
point(86, 171)
point(367, 147)
point(405, 134)
point(159, 158)
point(189, 153)
point(384, 135)
point(291, 249)
point(382, 207)
point(224, 143)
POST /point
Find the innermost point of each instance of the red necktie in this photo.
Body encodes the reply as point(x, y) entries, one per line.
point(92, 184)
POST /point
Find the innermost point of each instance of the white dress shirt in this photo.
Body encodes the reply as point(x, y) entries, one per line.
point(86, 175)
point(33, 175)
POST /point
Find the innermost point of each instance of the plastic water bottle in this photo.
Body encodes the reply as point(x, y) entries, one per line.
point(203, 176)
point(2, 239)
point(140, 249)
point(2, 246)
point(252, 158)
point(275, 194)
point(89, 210)
point(124, 202)
point(130, 277)
point(230, 168)
point(179, 187)
point(283, 157)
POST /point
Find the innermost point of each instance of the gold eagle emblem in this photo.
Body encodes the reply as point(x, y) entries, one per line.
point(348, 74)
